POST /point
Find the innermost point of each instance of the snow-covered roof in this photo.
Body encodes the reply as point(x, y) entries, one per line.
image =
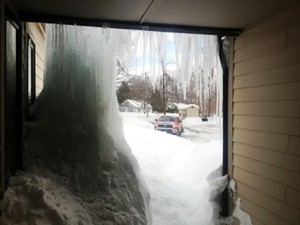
point(185, 106)
point(136, 104)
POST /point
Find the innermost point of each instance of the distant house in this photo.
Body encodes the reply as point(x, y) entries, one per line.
point(133, 106)
point(187, 110)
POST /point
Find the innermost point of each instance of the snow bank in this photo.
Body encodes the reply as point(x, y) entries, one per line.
point(184, 177)
point(239, 214)
point(242, 216)
point(35, 200)
point(80, 169)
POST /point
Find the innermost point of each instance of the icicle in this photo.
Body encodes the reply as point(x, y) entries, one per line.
point(186, 61)
point(193, 56)
point(196, 46)
point(152, 46)
point(145, 43)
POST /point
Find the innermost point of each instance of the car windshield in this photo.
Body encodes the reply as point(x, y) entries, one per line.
point(167, 118)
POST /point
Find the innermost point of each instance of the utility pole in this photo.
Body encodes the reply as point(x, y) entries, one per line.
point(146, 81)
point(164, 85)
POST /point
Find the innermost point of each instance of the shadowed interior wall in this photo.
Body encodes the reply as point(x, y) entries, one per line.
point(266, 119)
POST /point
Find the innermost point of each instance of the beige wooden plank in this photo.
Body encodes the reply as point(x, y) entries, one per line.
point(39, 79)
point(40, 52)
point(270, 204)
point(41, 47)
point(259, 183)
point(42, 27)
point(277, 174)
point(294, 145)
point(280, 108)
point(38, 40)
point(256, 221)
point(230, 108)
point(39, 84)
point(278, 125)
point(280, 59)
point(276, 142)
point(262, 47)
point(278, 92)
point(40, 68)
point(293, 37)
point(39, 63)
point(268, 28)
point(276, 76)
point(263, 214)
point(281, 159)
point(293, 197)
point(40, 57)
point(38, 28)
point(39, 72)
point(36, 34)
point(38, 91)
point(294, 127)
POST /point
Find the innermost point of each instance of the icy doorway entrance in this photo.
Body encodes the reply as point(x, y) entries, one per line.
point(176, 72)
point(78, 108)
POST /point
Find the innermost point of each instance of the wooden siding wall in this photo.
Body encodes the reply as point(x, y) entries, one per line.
point(266, 119)
point(36, 32)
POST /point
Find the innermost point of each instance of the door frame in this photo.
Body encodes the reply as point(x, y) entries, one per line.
point(8, 15)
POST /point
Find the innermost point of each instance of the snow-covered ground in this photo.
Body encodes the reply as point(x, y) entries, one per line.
point(175, 168)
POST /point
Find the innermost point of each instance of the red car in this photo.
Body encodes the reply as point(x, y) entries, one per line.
point(169, 124)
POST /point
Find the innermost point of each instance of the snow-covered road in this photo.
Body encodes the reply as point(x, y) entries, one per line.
point(175, 168)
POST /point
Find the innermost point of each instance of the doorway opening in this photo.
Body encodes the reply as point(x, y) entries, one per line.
point(74, 107)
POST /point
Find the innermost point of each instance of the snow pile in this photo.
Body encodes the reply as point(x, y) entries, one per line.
point(183, 175)
point(243, 217)
point(41, 201)
point(202, 132)
point(79, 168)
point(217, 185)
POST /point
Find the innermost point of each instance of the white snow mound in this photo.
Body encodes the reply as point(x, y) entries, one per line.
point(35, 200)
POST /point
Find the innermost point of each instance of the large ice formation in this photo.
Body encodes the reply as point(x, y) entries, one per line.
point(79, 169)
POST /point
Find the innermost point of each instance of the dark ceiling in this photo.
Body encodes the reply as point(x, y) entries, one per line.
point(228, 14)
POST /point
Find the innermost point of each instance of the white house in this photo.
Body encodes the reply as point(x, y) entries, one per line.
point(134, 106)
point(187, 110)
